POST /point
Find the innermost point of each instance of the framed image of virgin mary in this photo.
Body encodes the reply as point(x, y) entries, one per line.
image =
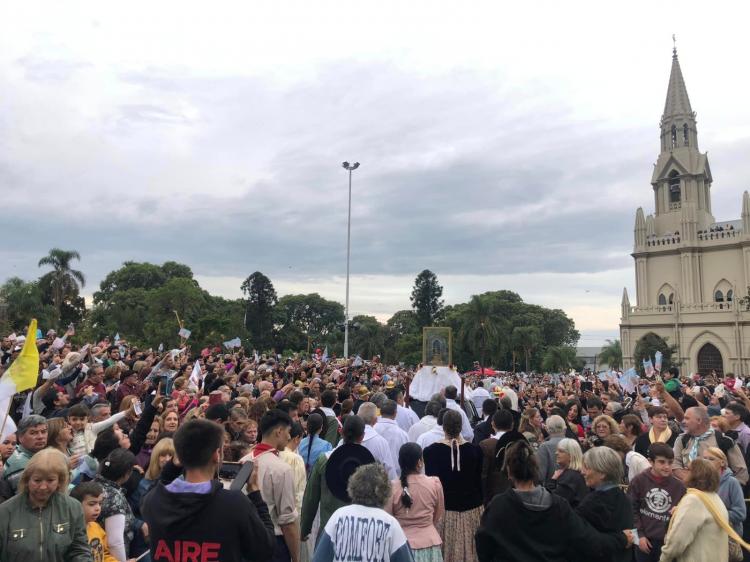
point(437, 346)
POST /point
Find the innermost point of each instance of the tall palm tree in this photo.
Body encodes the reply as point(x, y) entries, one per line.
point(526, 339)
point(63, 281)
point(611, 354)
point(479, 326)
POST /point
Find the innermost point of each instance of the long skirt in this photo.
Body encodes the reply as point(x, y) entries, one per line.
point(429, 554)
point(457, 530)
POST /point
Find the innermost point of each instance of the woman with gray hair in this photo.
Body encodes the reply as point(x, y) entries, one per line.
point(606, 507)
point(567, 481)
point(364, 530)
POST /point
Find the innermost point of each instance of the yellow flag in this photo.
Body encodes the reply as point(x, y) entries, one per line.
point(24, 371)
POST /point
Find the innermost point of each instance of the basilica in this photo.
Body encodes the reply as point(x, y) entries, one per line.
point(692, 271)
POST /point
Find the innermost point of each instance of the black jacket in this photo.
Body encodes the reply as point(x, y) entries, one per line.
point(570, 485)
point(512, 532)
point(607, 511)
point(482, 431)
point(221, 525)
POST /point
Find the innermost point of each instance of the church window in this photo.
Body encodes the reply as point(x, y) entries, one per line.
point(718, 296)
point(671, 298)
point(662, 300)
point(730, 295)
point(674, 136)
point(685, 135)
point(674, 187)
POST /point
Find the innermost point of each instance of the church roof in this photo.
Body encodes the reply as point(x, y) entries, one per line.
point(684, 160)
point(678, 102)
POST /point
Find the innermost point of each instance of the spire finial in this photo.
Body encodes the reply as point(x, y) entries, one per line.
point(674, 45)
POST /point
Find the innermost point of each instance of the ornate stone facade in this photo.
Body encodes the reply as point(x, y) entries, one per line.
point(691, 271)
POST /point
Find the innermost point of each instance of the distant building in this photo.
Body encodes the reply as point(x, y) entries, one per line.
point(690, 270)
point(590, 356)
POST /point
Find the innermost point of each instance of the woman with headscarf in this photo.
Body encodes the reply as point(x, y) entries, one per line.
point(458, 464)
point(417, 503)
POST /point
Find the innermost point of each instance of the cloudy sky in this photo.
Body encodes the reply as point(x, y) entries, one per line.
point(503, 146)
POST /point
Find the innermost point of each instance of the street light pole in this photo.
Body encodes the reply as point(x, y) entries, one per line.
point(350, 168)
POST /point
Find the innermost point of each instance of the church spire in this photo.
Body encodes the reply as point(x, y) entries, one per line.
point(678, 121)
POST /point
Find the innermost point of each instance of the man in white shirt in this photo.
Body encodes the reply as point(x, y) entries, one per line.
point(389, 429)
point(435, 434)
point(451, 393)
point(431, 410)
point(374, 442)
point(405, 417)
point(479, 395)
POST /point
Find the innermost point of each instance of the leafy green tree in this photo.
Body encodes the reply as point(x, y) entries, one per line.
point(526, 339)
point(173, 270)
point(260, 299)
point(136, 275)
point(63, 282)
point(425, 298)
point(300, 319)
point(367, 336)
point(180, 295)
point(403, 339)
point(478, 326)
point(611, 354)
point(646, 348)
point(559, 358)
point(22, 301)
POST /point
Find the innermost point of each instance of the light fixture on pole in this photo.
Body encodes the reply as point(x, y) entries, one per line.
point(350, 168)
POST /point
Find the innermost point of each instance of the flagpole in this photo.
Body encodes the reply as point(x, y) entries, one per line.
point(7, 413)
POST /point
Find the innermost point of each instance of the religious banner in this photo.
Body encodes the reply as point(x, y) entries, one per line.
point(437, 346)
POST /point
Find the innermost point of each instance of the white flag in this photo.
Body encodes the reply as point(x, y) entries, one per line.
point(195, 377)
point(26, 412)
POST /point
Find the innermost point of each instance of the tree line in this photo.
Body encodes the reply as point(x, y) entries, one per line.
point(142, 302)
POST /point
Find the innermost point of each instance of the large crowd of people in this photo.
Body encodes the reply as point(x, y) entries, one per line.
point(121, 453)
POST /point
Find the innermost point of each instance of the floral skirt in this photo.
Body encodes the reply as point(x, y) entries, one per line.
point(457, 530)
point(429, 554)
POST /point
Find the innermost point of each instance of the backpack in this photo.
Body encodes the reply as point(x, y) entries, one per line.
point(724, 442)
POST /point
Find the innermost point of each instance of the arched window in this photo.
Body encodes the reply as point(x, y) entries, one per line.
point(709, 359)
point(685, 135)
point(674, 187)
point(671, 298)
point(674, 136)
point(730, 295)
point(662, 300)
point(718, 296)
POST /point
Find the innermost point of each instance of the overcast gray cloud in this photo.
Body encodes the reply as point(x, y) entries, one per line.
point(496, 160)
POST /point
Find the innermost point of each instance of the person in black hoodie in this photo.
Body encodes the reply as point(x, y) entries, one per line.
point(528, 523)
point(606, 507)
point(194, 517)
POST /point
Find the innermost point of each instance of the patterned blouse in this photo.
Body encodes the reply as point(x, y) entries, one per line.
point(115, 503)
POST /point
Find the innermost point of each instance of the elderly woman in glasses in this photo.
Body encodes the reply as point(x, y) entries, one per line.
point(42, 521)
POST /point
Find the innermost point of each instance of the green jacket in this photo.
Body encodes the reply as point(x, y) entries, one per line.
point(332, 431)
point(317, 493)
point(55, 533)
point(15, 464)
